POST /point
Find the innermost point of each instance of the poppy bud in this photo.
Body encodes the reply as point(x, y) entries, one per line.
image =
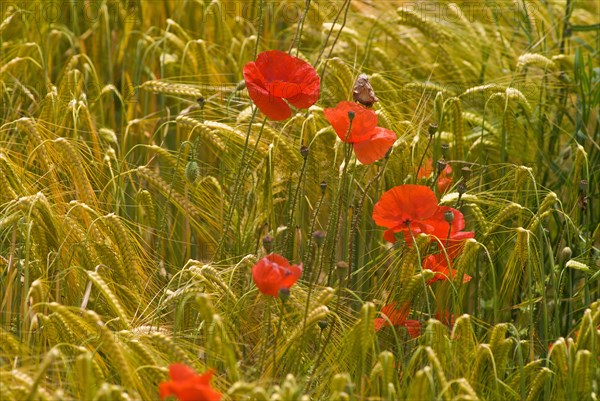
point(323, 186)
point(192, 171)
point(566, 253)
point(268, 243)
point(449, 216)
point(433, 127)
point(351, 115)
point(284, 294)
point(201, 101)
point(466, 173)
point(322, 324)
point(441, 165)
point(304, 151)
point(445, 148)
point(318, 237)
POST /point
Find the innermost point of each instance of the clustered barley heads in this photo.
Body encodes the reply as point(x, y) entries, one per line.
point(419, 268)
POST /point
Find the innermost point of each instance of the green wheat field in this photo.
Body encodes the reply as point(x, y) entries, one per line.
point(142, 187)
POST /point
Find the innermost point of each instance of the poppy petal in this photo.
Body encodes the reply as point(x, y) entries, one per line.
point(309, 85)
point(271, 106)
point(426, 169)
point(166, 389)
point(281, 76)
point(380, 323)
point(273, 272)
point(389, 236)
point(280, 260)
point(376, 147)
point(290, 276)
point(413, 327)
point(363, 123)
point(180, 372)
point(266, 277)
point(404, 203)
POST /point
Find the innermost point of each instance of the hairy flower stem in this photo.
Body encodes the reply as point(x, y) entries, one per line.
point(424, 153)
point(342, 200)
point(277, 333)
point(289, 244)
point(346, 5)
point(260, 26)
point(414, 241)
point(299, 27)
point(356, 218)
point(308, 257)
point(263, 350)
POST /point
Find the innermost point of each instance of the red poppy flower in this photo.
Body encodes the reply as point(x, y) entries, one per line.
point(445, 317)
point(444, 180)
point(370, 142)
point(186, 385)
point(273, 273)
point(275, 76)
point(405, 208)
point(438, 264)
point(397, 317)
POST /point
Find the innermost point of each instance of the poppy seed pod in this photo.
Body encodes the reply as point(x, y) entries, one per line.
point(351, 115)
point(323, 186)
point(466, 173)
point(341, 269)
point(441, 165)
point(445, 147)
point(432, 130)
point(461, 188)
point(449, 216)
point(304, 151)
point(318, 237)
point(322, 324)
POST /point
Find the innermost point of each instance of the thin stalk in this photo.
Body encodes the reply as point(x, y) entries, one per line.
point(299, 28)
point(291, 224)
point(308, 257)
point(414, 241)
point(357, 213)
point(347, 5)
point(260, 27)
